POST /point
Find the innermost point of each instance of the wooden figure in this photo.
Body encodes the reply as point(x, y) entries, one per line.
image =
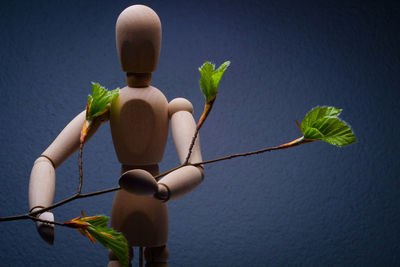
point(139, 120)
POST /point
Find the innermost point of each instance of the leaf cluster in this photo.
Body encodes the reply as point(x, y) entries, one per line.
point(322, 123)
point(95, 228)
point(210, 79)
point(98, 103)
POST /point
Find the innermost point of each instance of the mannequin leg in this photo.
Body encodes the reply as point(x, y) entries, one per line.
point(157, 256)
point(113, 260)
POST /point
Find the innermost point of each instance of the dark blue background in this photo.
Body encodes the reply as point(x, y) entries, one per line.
point(314, 205)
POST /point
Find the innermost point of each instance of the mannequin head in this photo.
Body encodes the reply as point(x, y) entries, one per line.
point(138, 37)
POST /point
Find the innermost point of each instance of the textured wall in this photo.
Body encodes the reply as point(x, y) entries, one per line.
point(315, 205)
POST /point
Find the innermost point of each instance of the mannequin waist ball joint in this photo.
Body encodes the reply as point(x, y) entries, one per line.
point(139, 120)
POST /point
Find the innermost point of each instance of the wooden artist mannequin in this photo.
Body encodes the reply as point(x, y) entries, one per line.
point(139, 120)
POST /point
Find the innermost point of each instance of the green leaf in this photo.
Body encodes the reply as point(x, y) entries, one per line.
point(318, 113)
point(100, 100)
point(210, 79)
point(322, 123)
point(111, 240)
point(108, 237)
point(312, 134)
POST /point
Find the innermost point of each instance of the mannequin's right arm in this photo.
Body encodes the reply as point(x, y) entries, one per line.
point(42, 178)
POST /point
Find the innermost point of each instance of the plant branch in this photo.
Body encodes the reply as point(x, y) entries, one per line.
point(14, 218)
point(296, 142)
point(191, 146)
point(26, 216)
point(80, 169)
point(99, 192)
point(207, 109)
point(46, 221)
point(158, 177)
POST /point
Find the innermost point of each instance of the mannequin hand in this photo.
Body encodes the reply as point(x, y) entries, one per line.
point(138, 182)
point(46, 231)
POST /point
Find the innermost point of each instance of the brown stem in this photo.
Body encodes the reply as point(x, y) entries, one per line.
point(207, 109)
point(99, 192)
point(296, 142)
point(14, 218)
point(62, 202)
point(80, 169)
point(191, 146)
point(158, 177)
point(46, 221)
point(65, 201)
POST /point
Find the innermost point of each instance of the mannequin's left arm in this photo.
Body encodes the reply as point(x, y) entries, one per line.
point(183, 127)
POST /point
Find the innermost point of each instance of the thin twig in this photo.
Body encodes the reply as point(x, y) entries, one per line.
point(298, 141)
point(62, 202)
point(80, 169)
point(14, 218)
point(158, 177)
point(46, 221)
point(207, 109)
point(294, 143)
point(99, 192)
point(65, 201)
point(191, 146)
point(26, 216)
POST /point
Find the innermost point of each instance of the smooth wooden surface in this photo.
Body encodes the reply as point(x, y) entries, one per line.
point(139, 182)
point(67, 142)
point(43, 178)
point(138, 38)
point(143, 220)
point(42, 183)
point(179, 104)
point(45, 230)
point(183, 128)
point(182, 181)
point(139, 125)
point(157, 257)
point(138, 79)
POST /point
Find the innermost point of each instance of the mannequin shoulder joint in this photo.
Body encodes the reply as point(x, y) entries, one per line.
point(179, 104)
